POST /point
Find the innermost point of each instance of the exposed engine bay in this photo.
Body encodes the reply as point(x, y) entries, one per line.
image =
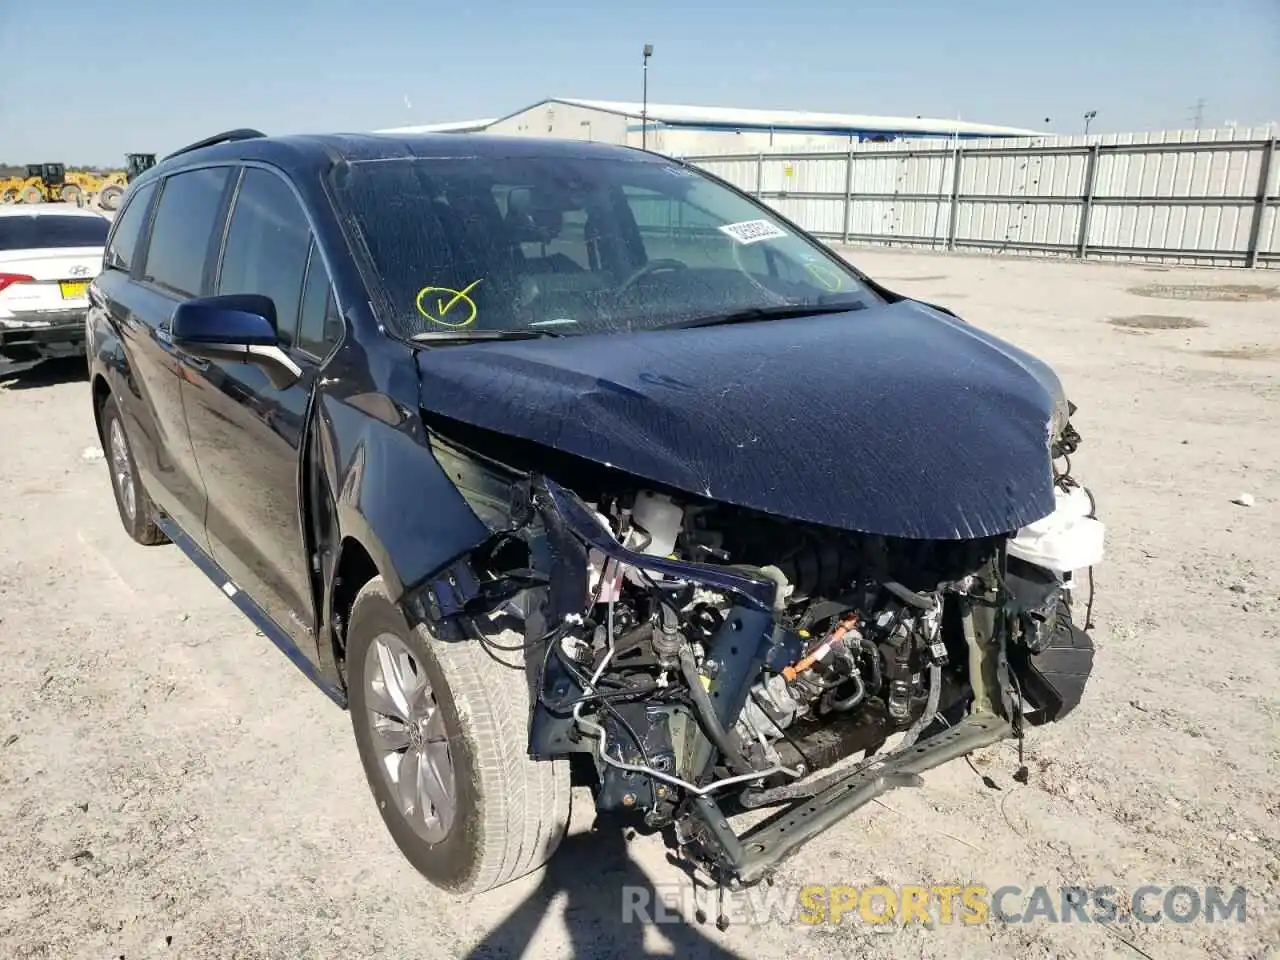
point(712, 658)
point(848, 641)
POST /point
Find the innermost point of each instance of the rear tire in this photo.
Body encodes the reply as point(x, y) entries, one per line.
point(506, 813)
point(137, 512)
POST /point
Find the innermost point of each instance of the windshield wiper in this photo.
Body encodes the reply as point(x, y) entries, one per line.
point(781, 311)
point(461, 336)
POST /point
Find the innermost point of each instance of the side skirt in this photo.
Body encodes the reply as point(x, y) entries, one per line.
point(246, 605)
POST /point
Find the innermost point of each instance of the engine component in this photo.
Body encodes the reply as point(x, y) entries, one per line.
point(833, 704)
point(660, 518)
point(810, 565)
point(930, 707)
point(667, 640)
point(1033, 601)
point(888, 659)
point(829, 651)
point(621, 788)
point(902, 632)
point(770, 709)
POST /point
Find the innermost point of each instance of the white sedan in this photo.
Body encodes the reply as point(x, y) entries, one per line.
point(48, 255)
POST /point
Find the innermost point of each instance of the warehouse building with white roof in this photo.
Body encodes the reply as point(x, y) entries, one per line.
point(682, 130)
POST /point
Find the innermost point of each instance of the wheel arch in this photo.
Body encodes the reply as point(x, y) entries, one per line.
point(100, 391)
point(375, 503)
point(344, 553)
point(354, 567)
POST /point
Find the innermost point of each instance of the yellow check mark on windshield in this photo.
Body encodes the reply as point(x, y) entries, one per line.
point(447, 298)
point(464, 294)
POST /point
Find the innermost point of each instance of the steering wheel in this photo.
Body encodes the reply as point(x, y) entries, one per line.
point(653, 266)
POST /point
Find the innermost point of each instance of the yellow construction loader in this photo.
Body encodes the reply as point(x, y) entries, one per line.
point(49, 182)
point(44, 182)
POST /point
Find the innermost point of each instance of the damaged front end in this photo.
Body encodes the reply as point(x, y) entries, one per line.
point(711, 658)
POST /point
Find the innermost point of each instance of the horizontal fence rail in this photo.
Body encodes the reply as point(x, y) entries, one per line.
point(1197, 200)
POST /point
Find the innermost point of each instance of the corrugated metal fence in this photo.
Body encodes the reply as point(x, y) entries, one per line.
point(1210, 197)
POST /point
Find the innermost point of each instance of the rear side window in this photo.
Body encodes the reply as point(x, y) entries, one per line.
point(50, 231)
point(183, 233)
point(124, 243)
point(266, 249)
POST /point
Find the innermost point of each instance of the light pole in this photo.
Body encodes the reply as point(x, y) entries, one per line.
point(1089, 115)
point(644, 105)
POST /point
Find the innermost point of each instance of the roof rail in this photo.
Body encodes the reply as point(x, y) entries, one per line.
point(230, 136)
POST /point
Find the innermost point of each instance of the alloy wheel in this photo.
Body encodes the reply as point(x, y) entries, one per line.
point(408, 733)
point(121, 469)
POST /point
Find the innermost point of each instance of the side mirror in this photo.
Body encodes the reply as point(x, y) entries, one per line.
point(238, 328)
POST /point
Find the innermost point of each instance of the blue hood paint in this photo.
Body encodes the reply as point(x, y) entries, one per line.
point(896, 420)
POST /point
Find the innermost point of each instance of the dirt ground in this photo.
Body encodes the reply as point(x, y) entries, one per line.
point(170, 786)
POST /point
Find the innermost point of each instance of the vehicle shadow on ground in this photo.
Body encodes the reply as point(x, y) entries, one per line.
point(42, 373)
point(588, 878)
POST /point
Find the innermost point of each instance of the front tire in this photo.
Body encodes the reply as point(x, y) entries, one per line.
point(442, 730)
point(137, 512)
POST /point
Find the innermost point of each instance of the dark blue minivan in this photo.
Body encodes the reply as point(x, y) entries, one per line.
point(525, 449)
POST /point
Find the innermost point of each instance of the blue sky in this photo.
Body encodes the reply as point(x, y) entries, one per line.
point(151, 75)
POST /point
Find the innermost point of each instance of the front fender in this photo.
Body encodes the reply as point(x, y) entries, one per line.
point(390, 492)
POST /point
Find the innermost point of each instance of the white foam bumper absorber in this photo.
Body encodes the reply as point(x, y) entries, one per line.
point(1066, 540)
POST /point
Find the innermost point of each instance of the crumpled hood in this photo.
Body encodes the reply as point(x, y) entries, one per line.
point(897, 420)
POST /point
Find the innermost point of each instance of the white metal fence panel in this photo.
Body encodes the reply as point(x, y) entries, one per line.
point(740, 171)
point(1184, 196)
point(1269, 232)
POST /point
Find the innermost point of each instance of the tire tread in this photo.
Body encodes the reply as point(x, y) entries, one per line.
point(524, 803)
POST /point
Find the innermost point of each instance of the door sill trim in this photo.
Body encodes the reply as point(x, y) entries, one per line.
point(249, 607)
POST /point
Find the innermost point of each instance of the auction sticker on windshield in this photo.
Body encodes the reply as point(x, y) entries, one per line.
point(753, 231)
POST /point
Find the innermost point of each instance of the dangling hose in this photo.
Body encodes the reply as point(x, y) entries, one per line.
point(851, 701)
point(726, 741)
